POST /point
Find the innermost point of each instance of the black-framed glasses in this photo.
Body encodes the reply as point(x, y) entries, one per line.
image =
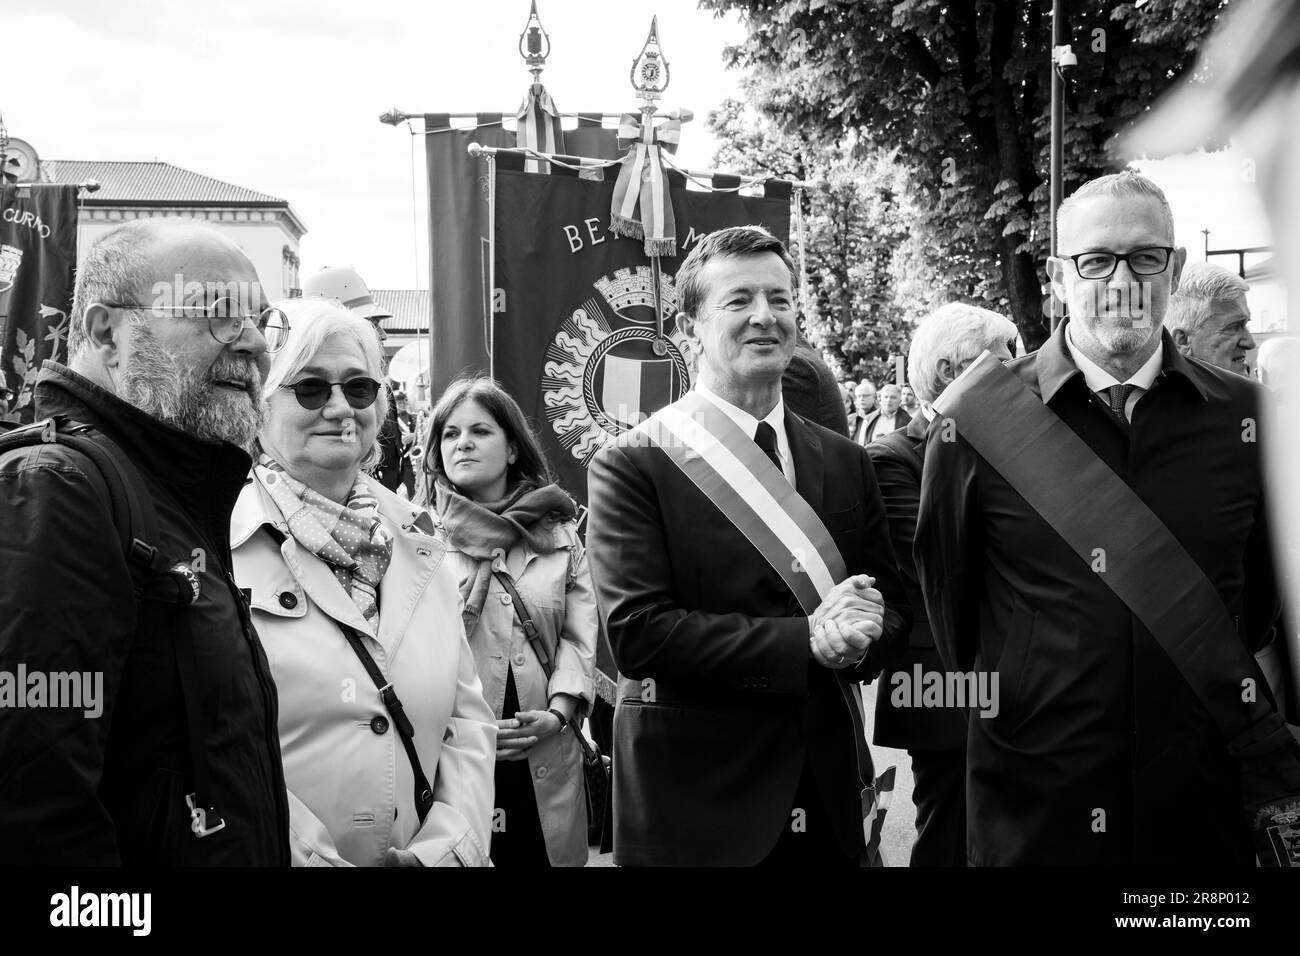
point(313, 393)
point(225, 319)
point(1147, 261)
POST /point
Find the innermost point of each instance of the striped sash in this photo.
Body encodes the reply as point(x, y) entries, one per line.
point(741, 481)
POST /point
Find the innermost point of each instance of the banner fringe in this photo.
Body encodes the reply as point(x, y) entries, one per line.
point(661, 247)
point(622, 226)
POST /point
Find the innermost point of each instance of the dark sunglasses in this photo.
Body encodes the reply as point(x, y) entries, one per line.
point(313, 393)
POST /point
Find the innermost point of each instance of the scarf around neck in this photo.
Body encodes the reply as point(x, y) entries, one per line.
point(484, 530)
point(348, 537)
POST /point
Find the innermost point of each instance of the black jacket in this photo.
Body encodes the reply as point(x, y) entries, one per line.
point(707, 764)
point(897, 459)
point(1100, 753)
point(110, 789)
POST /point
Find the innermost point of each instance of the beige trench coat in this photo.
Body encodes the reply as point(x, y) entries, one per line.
point(351, 788)
point(557, 589)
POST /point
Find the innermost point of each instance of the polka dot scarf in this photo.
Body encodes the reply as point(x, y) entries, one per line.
point(349, 538)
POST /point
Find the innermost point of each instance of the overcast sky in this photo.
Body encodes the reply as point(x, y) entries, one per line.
point(283, 96)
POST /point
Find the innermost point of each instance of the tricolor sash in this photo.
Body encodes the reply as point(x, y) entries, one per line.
point(741, 481)
point(642, 207)
point(1090, 507)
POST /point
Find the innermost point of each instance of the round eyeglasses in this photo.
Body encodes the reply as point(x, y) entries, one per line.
point(1149, 261)
point(313, 393)
point(225, 319)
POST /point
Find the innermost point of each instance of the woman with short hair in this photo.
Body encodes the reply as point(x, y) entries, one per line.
point(386, 738)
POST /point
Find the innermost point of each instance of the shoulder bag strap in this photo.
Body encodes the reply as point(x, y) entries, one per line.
point(393, 704)
point(539, 648)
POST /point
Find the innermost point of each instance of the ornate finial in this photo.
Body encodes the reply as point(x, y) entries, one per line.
point(534, 44)
point(649, 74)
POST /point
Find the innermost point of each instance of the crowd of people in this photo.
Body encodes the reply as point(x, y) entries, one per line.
point(303, 666)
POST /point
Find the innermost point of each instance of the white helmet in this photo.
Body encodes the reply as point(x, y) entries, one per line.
point(346, 287)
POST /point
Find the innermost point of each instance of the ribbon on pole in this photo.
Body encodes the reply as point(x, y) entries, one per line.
point(641, 207)
point(539, 127)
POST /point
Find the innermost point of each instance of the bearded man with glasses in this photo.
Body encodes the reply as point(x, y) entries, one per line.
point(116, 569)
point(1109, 744)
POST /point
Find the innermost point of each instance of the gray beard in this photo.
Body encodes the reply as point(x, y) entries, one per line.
point(182, 397)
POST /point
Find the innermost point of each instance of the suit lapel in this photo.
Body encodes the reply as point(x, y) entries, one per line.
point(809, 467)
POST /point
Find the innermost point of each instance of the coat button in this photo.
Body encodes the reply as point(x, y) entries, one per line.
point(541, 772)
point(505, 599)
point(519, 660)
point(288, 600)
point(379, 724)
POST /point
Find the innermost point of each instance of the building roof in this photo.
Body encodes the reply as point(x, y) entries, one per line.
point(152, 182)
point(410, 308)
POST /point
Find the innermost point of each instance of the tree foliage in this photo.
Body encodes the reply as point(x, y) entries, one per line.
point(854, 228)
point(959, 94)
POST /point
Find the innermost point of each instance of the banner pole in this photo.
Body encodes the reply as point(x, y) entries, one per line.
point(798, 193)
point(492, 264)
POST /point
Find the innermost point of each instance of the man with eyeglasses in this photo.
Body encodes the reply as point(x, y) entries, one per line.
point(1092, 530)
point(115, 556)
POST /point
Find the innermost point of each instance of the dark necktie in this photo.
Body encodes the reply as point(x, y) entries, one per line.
point(1117, 396)
point(765, 438)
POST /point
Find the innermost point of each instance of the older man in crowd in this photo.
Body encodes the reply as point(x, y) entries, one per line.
point(1208, 317)
point(864, 408)
point(171, 756)
point(1064, 497)
point(889, 417)
point(944, 344)
point(743, 566)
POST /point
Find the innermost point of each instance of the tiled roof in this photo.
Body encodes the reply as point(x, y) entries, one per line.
point(410, 308)
point(151, 182)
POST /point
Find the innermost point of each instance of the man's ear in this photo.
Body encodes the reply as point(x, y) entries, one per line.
point(1180, 339)
point(689, 327)
point(1176, 263)
point(944, 367)
point(1056, 274)
point(104, 333)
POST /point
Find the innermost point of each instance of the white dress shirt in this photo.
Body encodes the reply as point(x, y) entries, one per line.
point(1099, 379)
point(748, 424)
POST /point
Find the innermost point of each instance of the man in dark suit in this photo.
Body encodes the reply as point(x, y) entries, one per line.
point(733, 740)
point(1100, 753)
point(944, 343)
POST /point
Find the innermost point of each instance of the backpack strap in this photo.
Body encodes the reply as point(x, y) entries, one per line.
point(134, 517)
point(152, 580)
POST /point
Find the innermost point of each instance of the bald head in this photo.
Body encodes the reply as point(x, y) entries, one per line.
point(150, 262)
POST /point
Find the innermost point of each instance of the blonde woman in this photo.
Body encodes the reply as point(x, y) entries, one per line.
point(351, 592)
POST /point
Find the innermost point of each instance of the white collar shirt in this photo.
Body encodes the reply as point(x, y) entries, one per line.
point(1098, 379)
point(748, 424)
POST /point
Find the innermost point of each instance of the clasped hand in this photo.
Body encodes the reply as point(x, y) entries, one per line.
point(846, 622)
point(517, 735)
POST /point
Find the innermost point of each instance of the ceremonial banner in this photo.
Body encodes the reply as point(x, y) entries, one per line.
point(458, 232)
point(38, 254)
point(575, 327)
